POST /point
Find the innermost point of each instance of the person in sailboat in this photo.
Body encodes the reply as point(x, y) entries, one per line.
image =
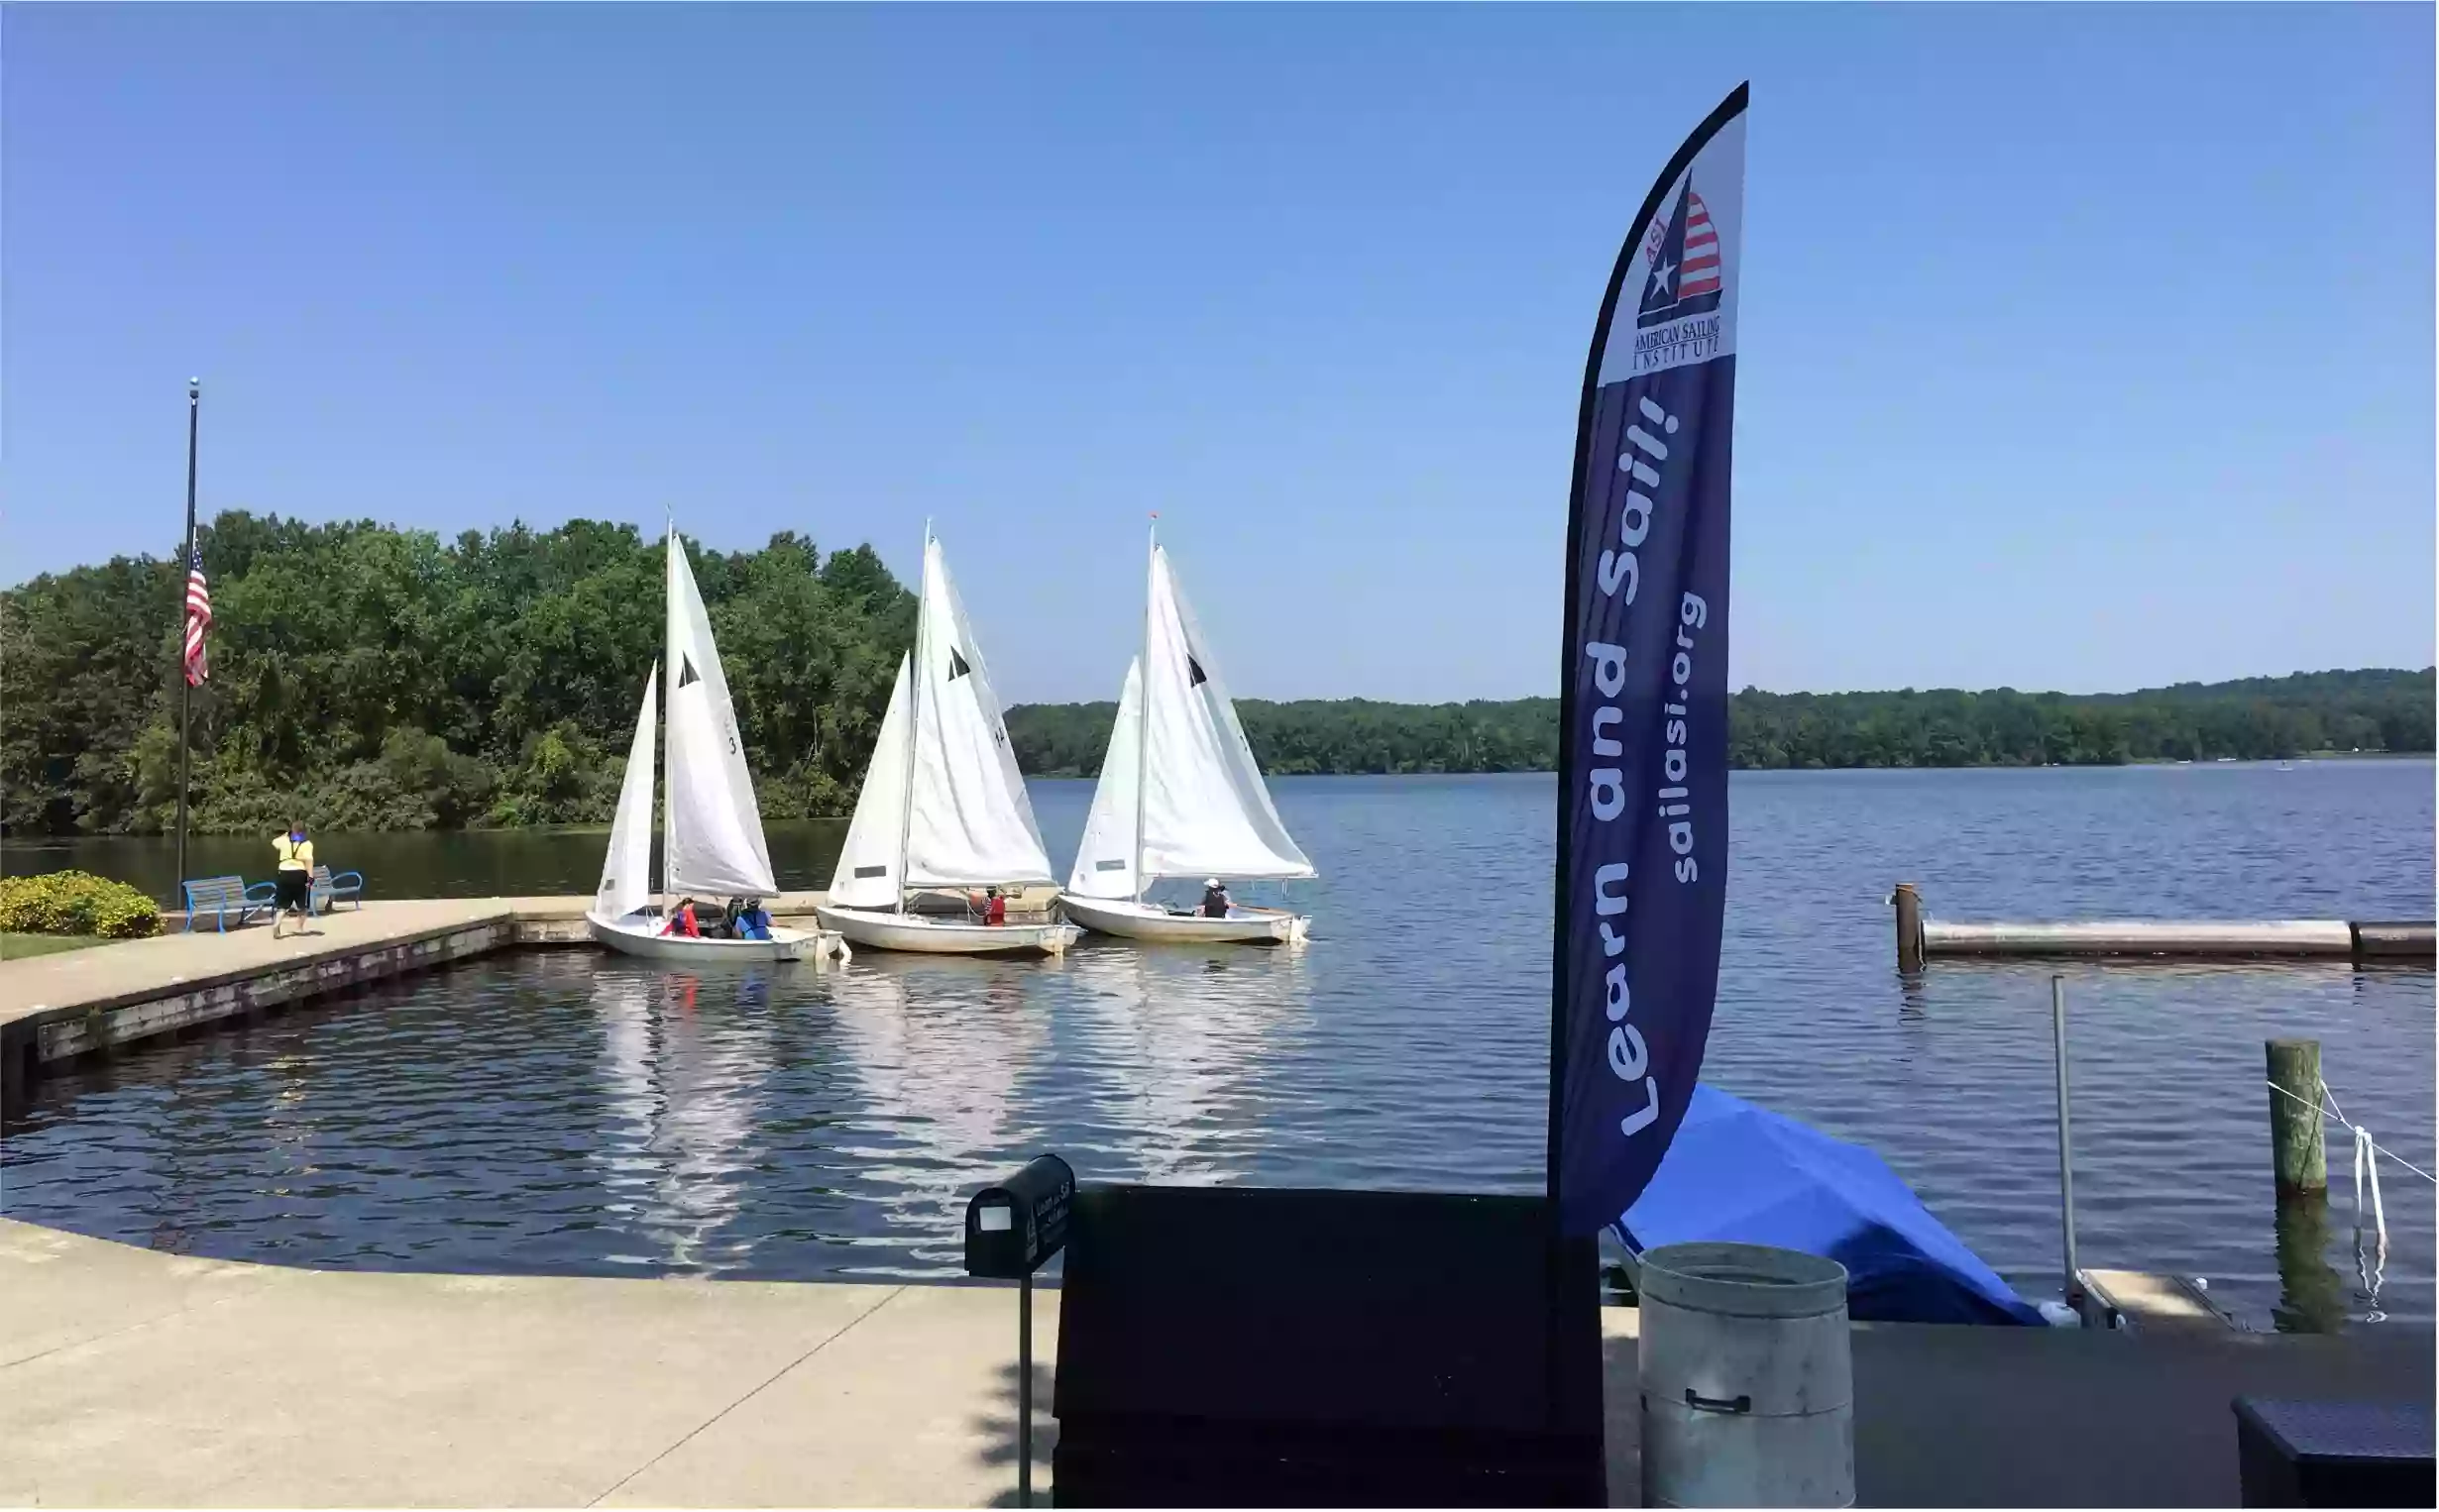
point(751, 921)
point(1215, 900)
point(994, 907)
point(682, 921)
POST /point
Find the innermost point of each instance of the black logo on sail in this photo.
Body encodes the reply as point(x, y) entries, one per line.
point(1685, 277)
point(1195, 677)
point(957, 666)
point(686, 671)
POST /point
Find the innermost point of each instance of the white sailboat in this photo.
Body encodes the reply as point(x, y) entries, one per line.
point(1181, 794)
point(944, 806)
point(712, 844)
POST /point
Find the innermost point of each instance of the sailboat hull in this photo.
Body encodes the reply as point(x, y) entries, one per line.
point(638, 935)
point(945, 937)
point(1150, 921)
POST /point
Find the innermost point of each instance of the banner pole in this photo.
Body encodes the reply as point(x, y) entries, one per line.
point(185, 682)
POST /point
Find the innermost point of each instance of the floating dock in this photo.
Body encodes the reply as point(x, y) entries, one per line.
point(135, 1378)
point(1920, 938)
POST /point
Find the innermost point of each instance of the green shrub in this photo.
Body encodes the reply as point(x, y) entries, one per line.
point(75, 902)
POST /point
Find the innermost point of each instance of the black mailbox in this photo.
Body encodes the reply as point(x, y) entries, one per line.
point(1013, 1227)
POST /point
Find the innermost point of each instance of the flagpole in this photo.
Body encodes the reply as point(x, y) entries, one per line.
point(186, 683)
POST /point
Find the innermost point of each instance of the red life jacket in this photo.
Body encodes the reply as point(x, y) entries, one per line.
point(683, 923)
point(995, 911)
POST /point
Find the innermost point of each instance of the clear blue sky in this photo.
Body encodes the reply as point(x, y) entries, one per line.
point(2082, 347)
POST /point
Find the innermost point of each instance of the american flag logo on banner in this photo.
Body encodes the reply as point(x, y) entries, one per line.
point(1685, 268)
point(199, 618)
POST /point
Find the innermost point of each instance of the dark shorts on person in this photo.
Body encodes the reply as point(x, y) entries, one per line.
point(293, 888)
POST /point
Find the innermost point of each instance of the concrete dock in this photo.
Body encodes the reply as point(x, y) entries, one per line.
point(129, 1378)
point(132, 1378)
point(54, 1008)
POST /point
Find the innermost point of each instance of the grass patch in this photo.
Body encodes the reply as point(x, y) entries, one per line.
point(17, 947)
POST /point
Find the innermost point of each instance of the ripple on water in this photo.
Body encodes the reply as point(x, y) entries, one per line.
point(569, 1112)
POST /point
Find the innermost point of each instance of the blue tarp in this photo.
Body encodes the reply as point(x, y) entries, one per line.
point(1742, 1174)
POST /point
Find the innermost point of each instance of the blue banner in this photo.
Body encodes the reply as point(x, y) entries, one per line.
point(1642, 804)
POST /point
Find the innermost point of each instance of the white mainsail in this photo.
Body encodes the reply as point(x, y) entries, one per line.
point(943, 804)
point(1200, 806)
point(627, 871)
point(868, 876)
point(971, 822)
point(1105, 859)
point(712, 832)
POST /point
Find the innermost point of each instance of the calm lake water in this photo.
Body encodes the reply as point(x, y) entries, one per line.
point(563, 1112)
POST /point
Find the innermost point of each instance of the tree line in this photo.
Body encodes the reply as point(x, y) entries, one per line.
point(2256, 718)
point(372, 678)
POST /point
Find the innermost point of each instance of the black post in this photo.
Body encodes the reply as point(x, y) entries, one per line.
point(185, 684)
point(1025, 1390)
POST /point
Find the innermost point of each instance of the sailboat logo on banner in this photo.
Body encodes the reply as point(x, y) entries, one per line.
point(1685, 272)
point(687, 675)
point(957, 665)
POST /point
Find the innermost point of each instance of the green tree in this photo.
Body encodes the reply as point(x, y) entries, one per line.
point(372, 678)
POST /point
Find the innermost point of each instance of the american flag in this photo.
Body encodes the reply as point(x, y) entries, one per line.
point(1700, 272)
point(198, 618)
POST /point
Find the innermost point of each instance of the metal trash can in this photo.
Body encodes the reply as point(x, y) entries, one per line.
point(1748, 1378)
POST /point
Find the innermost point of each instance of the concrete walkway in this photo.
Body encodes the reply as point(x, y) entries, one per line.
point(130, 1378)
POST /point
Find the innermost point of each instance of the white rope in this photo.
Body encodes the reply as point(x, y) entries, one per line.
point(2343, 1124)
point(2363, 1157)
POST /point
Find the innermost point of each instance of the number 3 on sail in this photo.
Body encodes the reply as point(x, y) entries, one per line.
point(712, 846)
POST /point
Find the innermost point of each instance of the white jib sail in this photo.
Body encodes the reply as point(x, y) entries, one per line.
point(1105, 859)
point(868, 872)
point(712, 832)
point(1206, 809)
point(627, 871)
point(971, 822)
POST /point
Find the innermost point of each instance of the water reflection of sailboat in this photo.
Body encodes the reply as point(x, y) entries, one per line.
point(684, 1060)
point(942, 1048)
point(1182, 1035)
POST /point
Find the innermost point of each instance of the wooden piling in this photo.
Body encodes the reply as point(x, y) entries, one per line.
point(1909, 904)
point(2299, 1153)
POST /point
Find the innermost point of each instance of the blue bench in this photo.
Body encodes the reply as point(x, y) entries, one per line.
point(327, 891)
point(223, 896)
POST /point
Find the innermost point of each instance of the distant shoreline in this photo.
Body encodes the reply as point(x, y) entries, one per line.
point(59, 843)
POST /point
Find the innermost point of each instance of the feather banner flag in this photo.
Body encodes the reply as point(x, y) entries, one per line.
point(1642, 809)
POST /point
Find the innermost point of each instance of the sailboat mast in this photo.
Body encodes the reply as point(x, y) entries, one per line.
point(1143, 708)
point(914, 710)
point(669, 693)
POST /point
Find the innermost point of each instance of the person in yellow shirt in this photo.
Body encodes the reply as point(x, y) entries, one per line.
point(295, 889)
